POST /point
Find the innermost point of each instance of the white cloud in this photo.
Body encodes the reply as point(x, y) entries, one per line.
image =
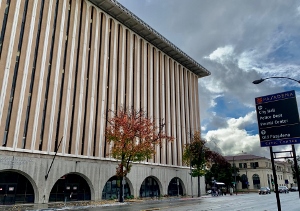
point(250, 118)
point(221, 54)
point(247, 60)
point(233, 139)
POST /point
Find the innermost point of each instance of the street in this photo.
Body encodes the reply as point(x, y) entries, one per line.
point(240, 202)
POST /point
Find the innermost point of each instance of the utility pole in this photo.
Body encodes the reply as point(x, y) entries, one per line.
point(275, 180)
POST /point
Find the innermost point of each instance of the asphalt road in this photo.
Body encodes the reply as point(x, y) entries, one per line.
point(240, 202)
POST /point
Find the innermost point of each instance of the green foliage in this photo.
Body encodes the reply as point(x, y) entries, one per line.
point(130, 197)
point(223, 173)
point(194, 155)
point(198, 156)
point(291, 161)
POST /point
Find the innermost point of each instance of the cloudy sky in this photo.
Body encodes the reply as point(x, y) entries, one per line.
point(238, 41)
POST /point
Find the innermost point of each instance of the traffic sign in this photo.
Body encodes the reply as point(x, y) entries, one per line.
point(278, 119)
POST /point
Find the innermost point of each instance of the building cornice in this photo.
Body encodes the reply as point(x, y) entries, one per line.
point(124, 16)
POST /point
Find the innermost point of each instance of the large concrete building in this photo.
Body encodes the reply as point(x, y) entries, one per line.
point(63, 65)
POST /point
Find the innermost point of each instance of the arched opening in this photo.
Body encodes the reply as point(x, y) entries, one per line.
point(244, 180)
point(111, 189)
point(149, 188)
point(15, 188)
point(175, 187)
point(256, 181)
point(70, 187)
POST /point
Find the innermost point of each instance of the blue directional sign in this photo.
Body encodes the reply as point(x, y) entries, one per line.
point(278, 119)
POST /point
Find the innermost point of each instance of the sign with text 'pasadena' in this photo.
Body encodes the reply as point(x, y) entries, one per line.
point(278, 119)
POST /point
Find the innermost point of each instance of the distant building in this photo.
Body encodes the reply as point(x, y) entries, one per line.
point(63, 65)
point(256, 171)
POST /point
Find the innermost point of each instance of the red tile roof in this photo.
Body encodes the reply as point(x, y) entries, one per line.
point(243, 157)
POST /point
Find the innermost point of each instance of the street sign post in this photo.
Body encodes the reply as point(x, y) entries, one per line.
point(278, 119)
point(278, 124)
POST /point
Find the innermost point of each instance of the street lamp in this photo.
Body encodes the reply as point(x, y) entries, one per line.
point(235, 185)
point(293, 147)
point(263, 79)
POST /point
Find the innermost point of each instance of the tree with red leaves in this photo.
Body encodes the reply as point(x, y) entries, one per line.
point(134, 137)
point(198, 156)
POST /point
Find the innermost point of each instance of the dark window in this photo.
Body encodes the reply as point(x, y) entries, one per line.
point(254, 165)
point(175, 187)
point(70, 187)
point(256, 181)
point(75, 81)
point(4, 25)
point(149, 188)
point(107, 81)
point(87, 85)
point(15, 76)
point(62, 79)
point(37, 42)
point(111, 189)
point(48, 78)
point(16, 187)
point(98, 85)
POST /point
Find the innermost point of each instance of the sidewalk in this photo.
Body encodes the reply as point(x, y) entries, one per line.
point(75, 205)
point(59, 205)
point(86, 204)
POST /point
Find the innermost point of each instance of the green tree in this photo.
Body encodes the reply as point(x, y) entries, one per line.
point(197, 155)
point(193, 156)
point(133, 137)
point(291, 161)
point(223, 172)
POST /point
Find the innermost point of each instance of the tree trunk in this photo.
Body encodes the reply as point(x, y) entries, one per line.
point(199, 191)
point(121, 198)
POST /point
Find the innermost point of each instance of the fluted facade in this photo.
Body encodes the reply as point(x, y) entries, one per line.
point(65, 63)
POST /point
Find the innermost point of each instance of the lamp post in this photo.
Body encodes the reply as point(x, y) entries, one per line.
point(191, 174)
point(263, 79)
point(235, 185)
point(247, 182)
point(293, 147)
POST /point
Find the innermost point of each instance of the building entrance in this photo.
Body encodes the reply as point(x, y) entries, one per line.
point(149, 188)
point(111, 189)
point(15, 188)
point(70, 187)
point(244, 181)
point(175, 188)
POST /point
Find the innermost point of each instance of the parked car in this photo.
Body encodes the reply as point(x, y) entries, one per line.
point(283, 189)
point(264, 190)
point(292, 189)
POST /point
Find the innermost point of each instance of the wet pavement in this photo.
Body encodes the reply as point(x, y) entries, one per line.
point(58, 206)
point(240, 202)
point(78, 205)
